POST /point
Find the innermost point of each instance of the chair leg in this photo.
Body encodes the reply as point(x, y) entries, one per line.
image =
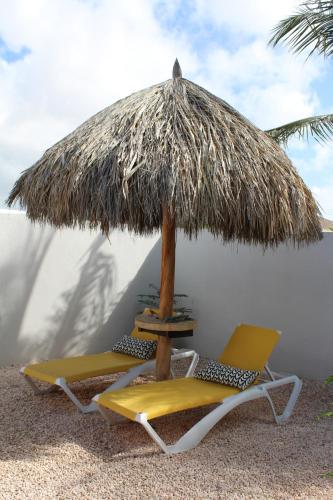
point(62, 384)
point(128, 377)
point(193, 365)
point(155, 437)
point(91, 407)
point(193, 437)
point(36, 389)
point(111, 417)
point(289, 408)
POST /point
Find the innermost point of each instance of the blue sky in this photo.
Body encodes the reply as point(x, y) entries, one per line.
point(63, 60)
point(11, 56)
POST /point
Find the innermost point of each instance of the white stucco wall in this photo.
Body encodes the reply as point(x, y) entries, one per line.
point(64, 292)
point(70, 292)
point(287, 289)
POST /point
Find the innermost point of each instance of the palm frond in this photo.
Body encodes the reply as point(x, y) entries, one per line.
point(311, 27)
point(318, 127)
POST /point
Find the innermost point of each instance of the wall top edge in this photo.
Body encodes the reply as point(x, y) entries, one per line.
point(8, 211)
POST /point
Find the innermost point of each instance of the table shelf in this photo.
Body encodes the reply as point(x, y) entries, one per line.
point(172, 329)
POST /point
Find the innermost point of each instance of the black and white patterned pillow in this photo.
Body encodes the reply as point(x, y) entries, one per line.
point(228, 375)
point(138, 348)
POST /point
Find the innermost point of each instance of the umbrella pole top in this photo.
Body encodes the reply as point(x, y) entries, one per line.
point(176, 70)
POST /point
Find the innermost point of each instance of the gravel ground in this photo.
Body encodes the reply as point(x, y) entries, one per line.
point(50, 451)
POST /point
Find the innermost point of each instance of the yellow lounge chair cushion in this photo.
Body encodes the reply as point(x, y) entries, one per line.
point(82, 367)
point(249, 347)
point(92, 365)
point(161, 398)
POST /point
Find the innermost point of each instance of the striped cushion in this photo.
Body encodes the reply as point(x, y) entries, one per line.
point(138, 348)
point(227, 375)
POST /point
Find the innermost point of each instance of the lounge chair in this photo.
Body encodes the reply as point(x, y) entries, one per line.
point(60, 372)
point(248, 348)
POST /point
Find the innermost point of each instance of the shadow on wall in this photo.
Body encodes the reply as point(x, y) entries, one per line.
point(17, 277)
point(81, 309)
point(86, 317)
point(121, 320)
point(92, 315)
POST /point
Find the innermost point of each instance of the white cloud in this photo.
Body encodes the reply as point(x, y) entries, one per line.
point(84, 55)
point(319, 167)
point(320, 161)
point(324, 196)
point(270, 87)
point(253, 17)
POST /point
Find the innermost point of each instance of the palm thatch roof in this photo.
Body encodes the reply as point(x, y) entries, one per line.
point(177, 145)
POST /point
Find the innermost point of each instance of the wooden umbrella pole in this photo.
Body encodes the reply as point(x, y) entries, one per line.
point(166, 291)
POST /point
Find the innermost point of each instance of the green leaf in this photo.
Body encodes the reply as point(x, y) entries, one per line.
point(319, 127)
point(152, 301)
point(310, 27)
point(182, 309)
point(329, 380)
point(326, 414)
point(142, 295)
point(328, 474)
point(177, 319)
point(149, 303)
point(151, 285)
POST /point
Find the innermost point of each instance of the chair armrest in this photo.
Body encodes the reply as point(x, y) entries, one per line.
point(187, 353)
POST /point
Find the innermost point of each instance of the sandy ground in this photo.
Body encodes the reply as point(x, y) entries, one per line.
point(50, 451)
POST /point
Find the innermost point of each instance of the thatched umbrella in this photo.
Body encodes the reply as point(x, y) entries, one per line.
point(171, 155)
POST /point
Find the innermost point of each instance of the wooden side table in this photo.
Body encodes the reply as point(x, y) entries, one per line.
point(172, 329)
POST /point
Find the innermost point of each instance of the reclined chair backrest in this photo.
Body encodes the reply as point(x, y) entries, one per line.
point(250, 347)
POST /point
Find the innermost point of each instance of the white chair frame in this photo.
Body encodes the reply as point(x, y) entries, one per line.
point(193, 437)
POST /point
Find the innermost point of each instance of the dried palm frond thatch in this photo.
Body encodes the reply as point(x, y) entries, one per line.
point(174, 145)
